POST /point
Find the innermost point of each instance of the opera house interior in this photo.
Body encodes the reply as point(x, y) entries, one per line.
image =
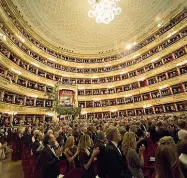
point(93, 88)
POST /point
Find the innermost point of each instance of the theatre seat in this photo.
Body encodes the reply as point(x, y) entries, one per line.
point(75, 173)
point(63, 167)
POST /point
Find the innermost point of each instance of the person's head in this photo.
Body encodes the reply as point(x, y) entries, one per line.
point(182, 134)
point(129, 142)
point(113, 134)
point(70, 142)
point(49, 139)
point(167, 140)
point(167, 162)
point(29, 130)
point(84, 142)
point(101, 136)
point(36, 134)
point(182, 124)
point(49, 132)
point(84, 129)
point(64, 129)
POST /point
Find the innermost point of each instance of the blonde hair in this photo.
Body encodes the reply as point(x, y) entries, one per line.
point(36, 133)
point(167, 162)
point(69, 142)
point(110, 133)
point(166, 140)
point(84, 142)
point(129, 142)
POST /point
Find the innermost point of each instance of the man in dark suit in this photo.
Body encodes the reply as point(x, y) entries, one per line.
point(101, 156)
point(94, 134)
point(27, 137)
point(115, 163)
point(49, 159)
point(36, 144)
point(63, 135)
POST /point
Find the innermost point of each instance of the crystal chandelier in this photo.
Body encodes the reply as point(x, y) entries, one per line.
point(104, 10)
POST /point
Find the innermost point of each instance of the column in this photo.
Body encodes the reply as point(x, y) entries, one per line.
point(167, 77)
point(135, 112)
point(6, 72)
point(11, 118)
point(16, 78)
point(34, 101)
point(44, 102)
point(178, 70)
point(14, 98)
point(2, 96)
point(153, 108)
point(185, 48)
point(170, 89)
point(34, 118)
point(163, 107)
point(24, 101)
point(18, 61)
point(175, 105)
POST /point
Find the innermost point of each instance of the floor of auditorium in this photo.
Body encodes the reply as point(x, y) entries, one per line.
point(11, 169)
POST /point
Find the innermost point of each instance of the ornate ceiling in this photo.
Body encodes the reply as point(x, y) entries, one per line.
point(65, 23)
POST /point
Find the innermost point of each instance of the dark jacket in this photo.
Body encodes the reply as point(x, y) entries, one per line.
point(115, 163)
point(35, 146)
point(101, 159)
point(49, 163)
point(27, 139)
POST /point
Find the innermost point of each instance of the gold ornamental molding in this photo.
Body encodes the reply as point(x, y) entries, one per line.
point(9, 64)
point(5, 108)
point(11, 26)
point(29, 59)
point(15, 88)
point(158, 101)
point(167, 17)
point(139, 91)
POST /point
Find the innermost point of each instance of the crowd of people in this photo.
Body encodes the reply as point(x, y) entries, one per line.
point(114, 148)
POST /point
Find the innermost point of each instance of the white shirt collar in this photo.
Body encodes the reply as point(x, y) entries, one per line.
point(52, 149)
point(116, 145)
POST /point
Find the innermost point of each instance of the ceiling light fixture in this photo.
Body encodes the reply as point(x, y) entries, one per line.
point(96, 99)
point(104, 10)
point(129, 95)
point(16, 71)
point(52, 85)
point(124, 72)
point(21, 38)
point(107, 65)
point(4, 38)
point(34, 96)
point(154, 60)
point(52, 59)
point(172, 33)
point(141, 79)
point(136, 55)
point(181, 63)
point(34, 64)
point(113, 110)
point(162, 87)
point(129, 46)
point(65, 75)
point(147, 106)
